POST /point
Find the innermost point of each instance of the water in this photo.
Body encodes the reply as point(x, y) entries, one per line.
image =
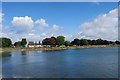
point(71, 63)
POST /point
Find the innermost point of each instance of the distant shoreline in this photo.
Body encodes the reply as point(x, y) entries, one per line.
point(53, 48)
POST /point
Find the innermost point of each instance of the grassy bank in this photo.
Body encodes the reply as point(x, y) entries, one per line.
point(52, 48)
point(31, 49)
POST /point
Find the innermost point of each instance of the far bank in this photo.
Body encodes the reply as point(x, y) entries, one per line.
point(53, 48)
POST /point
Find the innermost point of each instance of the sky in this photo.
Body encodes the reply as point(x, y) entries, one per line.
point(60, 0)
point(38, 20)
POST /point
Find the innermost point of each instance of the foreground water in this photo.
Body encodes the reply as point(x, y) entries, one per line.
point(71, 63)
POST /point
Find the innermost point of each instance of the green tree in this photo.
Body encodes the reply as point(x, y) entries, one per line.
point(89, 42)
point(117, 42)
point(94, 42)
point(5, 42)
point(83, 42)
point(23, 42)
point(60, 40)
point(67, 43)
point(75, 42)
point(49, 41)
point(99, 41)
point(46, 41)
point(111, 42)
point(54, 40)
point(105, 42)
point(17, 44)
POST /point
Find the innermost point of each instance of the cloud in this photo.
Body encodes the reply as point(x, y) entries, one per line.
point(95, 2)
point(41, 24)
point(52, 31)
point(78, 35)
point(3, 34)
point(26, 24)
point(55, 27)
point(1, 19)
point(22, 22)
point(104, 26)
point(25, 27)
point(32, 36)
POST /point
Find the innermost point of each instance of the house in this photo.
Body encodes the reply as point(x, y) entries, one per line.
point(47, 46)
point(34, 44)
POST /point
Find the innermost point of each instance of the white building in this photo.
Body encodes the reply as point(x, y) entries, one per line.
point(33, 44)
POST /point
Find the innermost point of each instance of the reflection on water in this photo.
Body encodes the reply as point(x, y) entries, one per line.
point(6, 54)
point(23, 52)
point(71, 63)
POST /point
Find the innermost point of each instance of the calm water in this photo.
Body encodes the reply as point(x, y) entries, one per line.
point(71, 63)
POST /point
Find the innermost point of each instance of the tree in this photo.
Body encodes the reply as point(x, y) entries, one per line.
point(17, 44)
point(99, 41)
point(5, 42)
point(89, 42)
point(117, 42)
point(94, 42)
point(49, 41)
point(39, 42)
point(83, 42)
point(46, 41)
point(54, 40)
point(105, 42)
point(75, 42)
point(60, 40)
point(23, 42)
point(0, 42)
point(67, 43)
point(111, 42)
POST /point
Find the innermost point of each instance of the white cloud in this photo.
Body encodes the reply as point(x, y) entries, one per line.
point(25, 27)
point(43, 35)
point(41, 24)
point(22, 24)
point(55, 27)
point(96, 2)
point(53, 31)
point(1, 19)
point(104, 26)
point(32, 36)
point(26, 24)
point(23, 21)
point(77, 35)
point(3, 34)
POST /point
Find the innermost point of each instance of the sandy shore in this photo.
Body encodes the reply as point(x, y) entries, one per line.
point(51, 48)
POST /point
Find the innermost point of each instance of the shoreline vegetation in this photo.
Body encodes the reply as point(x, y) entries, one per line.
point(53, 43)
point(2, 50)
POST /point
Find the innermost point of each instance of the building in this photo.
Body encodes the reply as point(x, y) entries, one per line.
point(34, 44)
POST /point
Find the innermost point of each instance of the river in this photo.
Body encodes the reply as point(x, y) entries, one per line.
point(70, 63)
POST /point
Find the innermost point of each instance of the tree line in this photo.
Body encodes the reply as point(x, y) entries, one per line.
point(59, 40)
point(6, 42)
